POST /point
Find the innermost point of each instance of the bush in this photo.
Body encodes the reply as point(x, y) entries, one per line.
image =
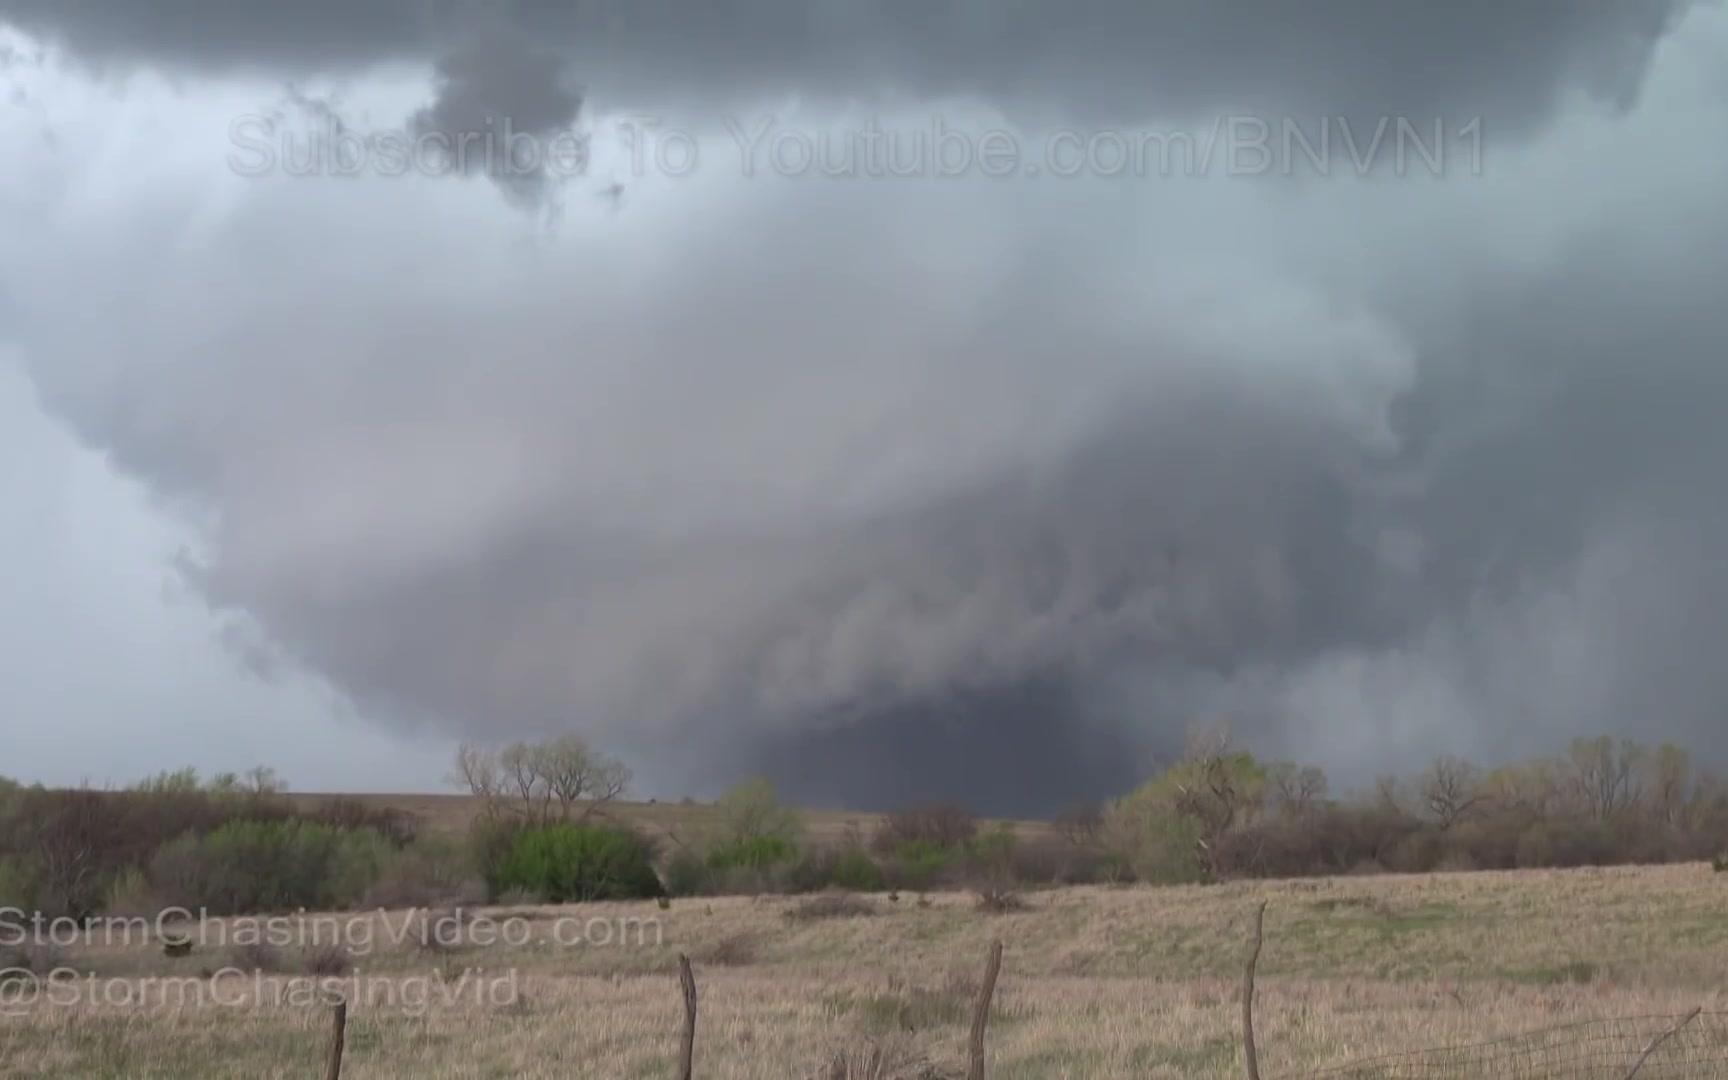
point(1147, 835)
point(130, 894)
point(918, 866)
point(561, 863)
point(854, 869)
point(943, 826)
point(990, 856)
point(687, 874)
point(399, 827)
point(831, 906)
point(328, 959)
point(998, 901)
point(253, 866)
point(432, 871)
point(17, 884)
point(733, 950)
point(256, 956)
point(752, 811)
point(752, 853)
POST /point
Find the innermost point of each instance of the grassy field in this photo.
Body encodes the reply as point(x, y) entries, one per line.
point(1096, 982)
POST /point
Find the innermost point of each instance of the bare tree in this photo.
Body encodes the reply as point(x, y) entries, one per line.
point(1451, 789)
point(1605, 775)
point(1081, 824)
point(525, 781)
point(1296, 789)
point(1534, 788)
point(573, 774)
point(541, 782)
point(477, 770)
point(1670, 784)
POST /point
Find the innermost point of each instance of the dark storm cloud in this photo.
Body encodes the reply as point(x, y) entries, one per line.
point(980, 488)
point(503, 94)
point(1109, 60)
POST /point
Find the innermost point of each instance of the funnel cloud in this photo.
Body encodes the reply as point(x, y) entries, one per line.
point(896, 488)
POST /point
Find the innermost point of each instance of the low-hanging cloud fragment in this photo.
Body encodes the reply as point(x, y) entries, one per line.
point(500, 101)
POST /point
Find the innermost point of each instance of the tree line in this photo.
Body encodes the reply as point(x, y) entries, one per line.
point(547, 828)
point(1219, 812)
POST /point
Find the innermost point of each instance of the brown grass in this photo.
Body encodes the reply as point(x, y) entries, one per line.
point(1096, 982)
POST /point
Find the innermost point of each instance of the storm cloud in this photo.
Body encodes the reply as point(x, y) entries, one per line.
point(860, 481)
point(1113, 60)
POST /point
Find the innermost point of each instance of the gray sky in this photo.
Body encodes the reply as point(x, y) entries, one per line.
point(884, 484)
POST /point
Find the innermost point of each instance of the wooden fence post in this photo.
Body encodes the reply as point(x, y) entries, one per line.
point(338, 1036)
point(1250, 1053)
point(687, 1053)
point(981, 1013)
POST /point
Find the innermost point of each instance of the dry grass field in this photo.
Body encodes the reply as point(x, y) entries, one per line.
point(1096, 982)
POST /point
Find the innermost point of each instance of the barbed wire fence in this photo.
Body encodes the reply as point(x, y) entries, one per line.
point(1678, 1047)
point(1689, 1046)
point(1682, 1047)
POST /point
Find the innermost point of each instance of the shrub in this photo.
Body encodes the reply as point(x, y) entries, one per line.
point(490, 841)
point(830, 906)
point(430, 872)
point(130, 894)
point(17, 884)
point(687, 874)
point(255, 956)
point(251, 866)
point(399, 827)
point(327, 960)
point(854, 869)
point(40, 958)
point(990, 855)
point(752, 809)
point(918, 865)
point(944, 826)
point(848, 867)
point(733, 950)
point(752, 853)
point(1149, 837)
point(560, 863)
point(914, 1009)
point(999, 901)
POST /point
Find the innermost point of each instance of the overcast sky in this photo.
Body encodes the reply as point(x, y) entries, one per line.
point(906, 399)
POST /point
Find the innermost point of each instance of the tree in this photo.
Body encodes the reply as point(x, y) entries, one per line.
point(258, 780)
point(1296, 789)
point(477, 770)
point(1172, 828)
point(538, 783)
point(1670, 783)
point(576, 775)
point(1143, 832)
point(1451, 789)
point(752, 812)
point(1605, 776)
point(1081, 824)
point(175, 782)
point(939, 826)
point(519, 765)
point(1217, 787)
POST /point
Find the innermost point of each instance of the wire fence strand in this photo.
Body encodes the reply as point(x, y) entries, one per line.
point(1679, 1047)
